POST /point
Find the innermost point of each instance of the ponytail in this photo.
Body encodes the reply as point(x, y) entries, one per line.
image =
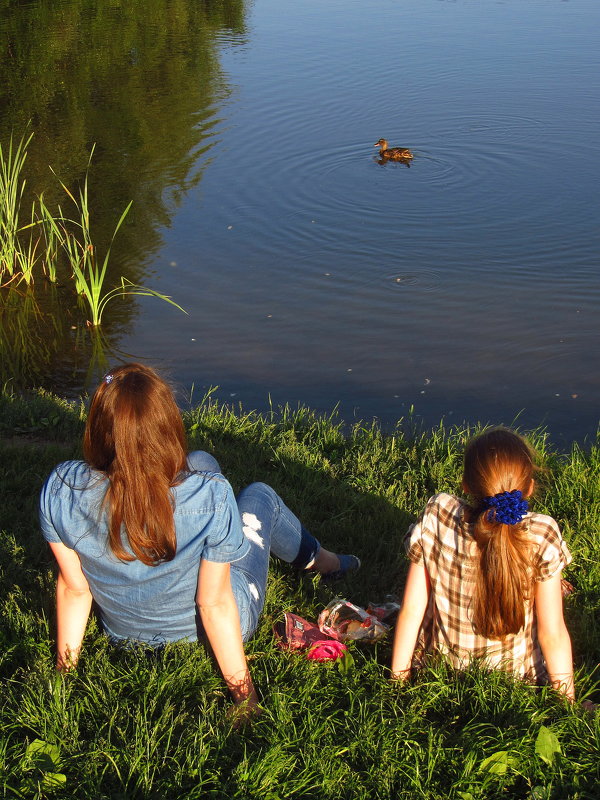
point(499, 468)
point(504, 580)
point(134, 434)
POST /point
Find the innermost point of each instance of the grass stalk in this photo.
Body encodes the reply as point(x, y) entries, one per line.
point(12, 187)
point(47, 235)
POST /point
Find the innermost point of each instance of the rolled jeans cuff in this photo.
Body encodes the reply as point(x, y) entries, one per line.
point(308, 551)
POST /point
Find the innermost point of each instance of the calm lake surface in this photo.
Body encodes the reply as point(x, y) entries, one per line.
point(465, 286)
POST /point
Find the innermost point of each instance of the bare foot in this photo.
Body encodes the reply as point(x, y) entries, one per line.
point(326, 562)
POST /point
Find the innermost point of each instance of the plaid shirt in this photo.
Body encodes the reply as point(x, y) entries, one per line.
point(442, 540)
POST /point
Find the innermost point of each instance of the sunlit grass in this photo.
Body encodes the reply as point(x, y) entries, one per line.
point(133, 725)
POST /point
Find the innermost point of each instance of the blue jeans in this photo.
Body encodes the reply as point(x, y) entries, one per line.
point(270, 527)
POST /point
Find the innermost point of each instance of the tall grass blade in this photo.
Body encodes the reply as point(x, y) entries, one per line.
point(129, 288)
point(12, 187)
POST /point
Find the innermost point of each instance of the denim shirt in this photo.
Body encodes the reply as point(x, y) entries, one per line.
point(152, 604)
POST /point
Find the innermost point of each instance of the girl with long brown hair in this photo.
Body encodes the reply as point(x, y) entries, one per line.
point(485, 575)
point(155, 537)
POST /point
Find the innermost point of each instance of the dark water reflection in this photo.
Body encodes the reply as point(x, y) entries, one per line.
point(466, 286)
point(140, 81)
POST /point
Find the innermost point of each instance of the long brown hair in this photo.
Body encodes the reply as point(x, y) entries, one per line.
point(499, 460)
point(134, 434)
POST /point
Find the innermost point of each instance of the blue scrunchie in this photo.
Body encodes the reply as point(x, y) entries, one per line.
point(506, 507)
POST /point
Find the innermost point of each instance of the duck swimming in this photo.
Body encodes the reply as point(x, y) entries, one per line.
point(393, 153)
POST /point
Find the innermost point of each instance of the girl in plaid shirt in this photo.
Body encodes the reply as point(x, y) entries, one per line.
point(485, 576)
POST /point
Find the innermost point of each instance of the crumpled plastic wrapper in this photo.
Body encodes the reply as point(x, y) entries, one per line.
point(345, 622)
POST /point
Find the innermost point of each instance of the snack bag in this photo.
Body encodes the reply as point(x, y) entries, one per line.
point(296, 633)
point(386, 611)
point(344, 621)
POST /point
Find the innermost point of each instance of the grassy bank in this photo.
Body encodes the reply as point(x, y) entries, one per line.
point(126, 725)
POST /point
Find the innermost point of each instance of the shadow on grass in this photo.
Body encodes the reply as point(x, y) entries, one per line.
point(131, 726)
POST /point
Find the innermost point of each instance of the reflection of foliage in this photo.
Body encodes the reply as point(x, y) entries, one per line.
point(44, 342)
point(143, 82)
point(139, 79)
point(24, 343)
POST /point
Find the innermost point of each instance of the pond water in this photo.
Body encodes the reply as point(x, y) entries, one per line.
point(465, 285)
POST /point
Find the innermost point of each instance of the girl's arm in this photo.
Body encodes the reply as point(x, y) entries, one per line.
point(221, 622)
point(410, 617)
point(73, 604)
point(553, 635)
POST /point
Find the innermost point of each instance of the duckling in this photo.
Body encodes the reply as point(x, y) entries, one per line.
point(393, 153)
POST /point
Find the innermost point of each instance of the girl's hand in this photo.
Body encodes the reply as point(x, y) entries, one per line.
point(242, 712)
point(401, 675)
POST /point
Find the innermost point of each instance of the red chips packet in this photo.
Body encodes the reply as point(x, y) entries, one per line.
point(296, 633)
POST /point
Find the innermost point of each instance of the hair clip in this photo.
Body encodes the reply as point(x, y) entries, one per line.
point(108, 378)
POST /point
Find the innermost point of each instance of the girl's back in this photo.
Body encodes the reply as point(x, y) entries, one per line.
point(484, 579)
point(148, 603)
point(443, 541)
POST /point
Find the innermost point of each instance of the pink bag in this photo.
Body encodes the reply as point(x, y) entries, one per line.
point(327, 650)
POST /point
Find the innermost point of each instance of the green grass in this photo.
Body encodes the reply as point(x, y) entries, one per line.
point(132, 725)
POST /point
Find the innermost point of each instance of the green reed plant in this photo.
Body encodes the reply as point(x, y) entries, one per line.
point(89, 271)
point(51, 241)
point(27, 253)
point(12, 187)
point(46, 236)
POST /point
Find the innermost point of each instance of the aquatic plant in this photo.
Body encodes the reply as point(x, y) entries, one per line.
point(88, 271)
point(14, 262)
point(59, 234)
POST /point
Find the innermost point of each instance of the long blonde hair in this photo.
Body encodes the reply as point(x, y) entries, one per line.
point(499, 460)
point(135, 435)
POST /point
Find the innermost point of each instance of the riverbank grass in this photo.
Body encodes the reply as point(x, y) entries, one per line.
point(131, 725)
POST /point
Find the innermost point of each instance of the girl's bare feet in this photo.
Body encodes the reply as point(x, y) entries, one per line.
point(333, 566)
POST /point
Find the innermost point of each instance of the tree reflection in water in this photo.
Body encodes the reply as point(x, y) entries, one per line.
point(141, 81)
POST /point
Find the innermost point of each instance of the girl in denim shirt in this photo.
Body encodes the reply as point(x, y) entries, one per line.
point(156, 537)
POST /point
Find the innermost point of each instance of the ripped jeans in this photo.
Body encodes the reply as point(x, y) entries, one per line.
point(270, 527)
